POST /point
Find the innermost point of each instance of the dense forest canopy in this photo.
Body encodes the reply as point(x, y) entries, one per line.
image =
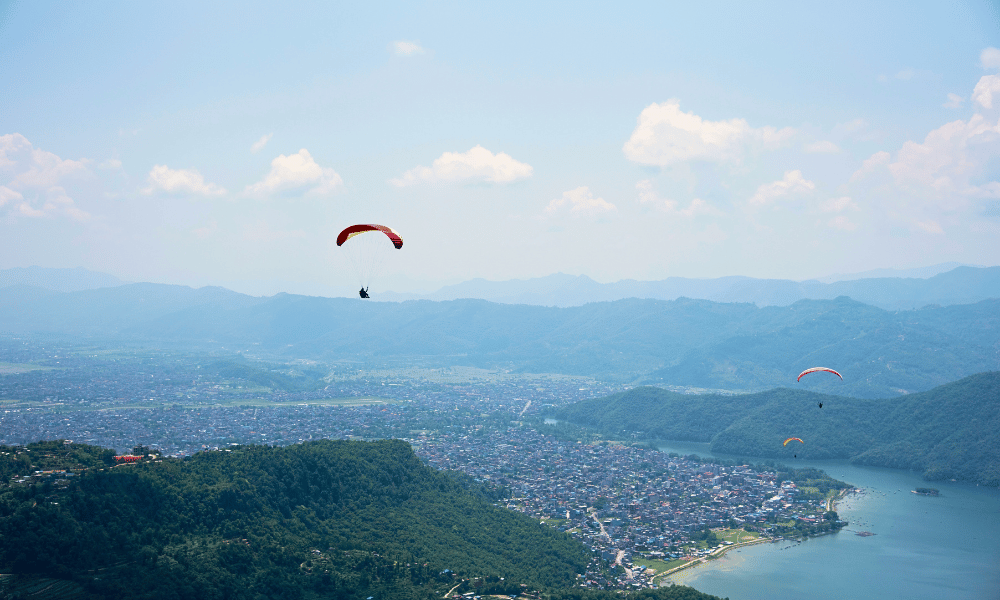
point(327, 517)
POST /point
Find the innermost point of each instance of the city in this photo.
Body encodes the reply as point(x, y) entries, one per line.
point(643, 512)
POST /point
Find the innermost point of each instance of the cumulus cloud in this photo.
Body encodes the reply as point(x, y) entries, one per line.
point(478, 164)
point(949, 159)
point(163, 179)
point(297, 174)
point(792, 183)
point(9, 195)
point(871, 164)
point(839, 205)
point(665, 135)
point(983, 93)
point(821, 147)
point(259, 144)
point(990, 58)
point(32, 180)
point(934, 183)
point(405, 48)
point(954, 101)
point(112, 164)
point(581, 202)
point(697, 207)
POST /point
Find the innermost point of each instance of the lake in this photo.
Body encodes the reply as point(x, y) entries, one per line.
point(924, 547)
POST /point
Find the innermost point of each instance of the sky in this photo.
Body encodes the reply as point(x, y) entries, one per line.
point(227, 143)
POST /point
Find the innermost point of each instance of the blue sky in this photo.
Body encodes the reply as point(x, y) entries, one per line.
point(212, 143)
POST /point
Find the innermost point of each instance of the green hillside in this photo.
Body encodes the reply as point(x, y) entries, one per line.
point(951, 431)
point(327, 519)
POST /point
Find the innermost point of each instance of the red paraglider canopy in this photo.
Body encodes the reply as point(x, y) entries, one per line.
point(354, 230)
point(815, 369)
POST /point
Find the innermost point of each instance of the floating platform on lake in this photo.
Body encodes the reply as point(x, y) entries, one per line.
point(864, 533)
point(926, 492)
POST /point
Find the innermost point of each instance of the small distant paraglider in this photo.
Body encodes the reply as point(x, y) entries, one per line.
point(816, 370)
point(793, 440)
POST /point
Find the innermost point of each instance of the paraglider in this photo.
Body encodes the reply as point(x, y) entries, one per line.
point(793, 440)
point(815, 370)
point(367, 246)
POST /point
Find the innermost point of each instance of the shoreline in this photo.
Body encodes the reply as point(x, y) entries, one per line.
point(714, 555)
point(831, 504)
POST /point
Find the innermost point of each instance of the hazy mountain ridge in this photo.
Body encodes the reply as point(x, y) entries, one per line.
point(681, 342)
point(951, 431)
point(961, 285)
point(57, 280)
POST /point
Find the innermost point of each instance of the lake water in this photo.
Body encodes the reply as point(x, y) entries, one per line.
point(923, 548)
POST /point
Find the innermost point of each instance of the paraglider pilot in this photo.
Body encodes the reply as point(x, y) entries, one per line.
point(364, 293)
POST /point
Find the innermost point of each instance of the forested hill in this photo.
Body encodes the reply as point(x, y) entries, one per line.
point(321, 519)
point(951, 431)
point(681, 342)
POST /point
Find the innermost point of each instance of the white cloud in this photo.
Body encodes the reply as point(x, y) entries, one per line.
point(259, 144)
point(791, 183)
point(297, 174)
point(871, 164)
point(665, 135)
point(824, 146)
point(983, 93)
point(404, 48)
point(111, 164)
point(942, 181)
point(581, 202)
point(8, 195)
point(162, 178)
point(477, 164)
point(697, 207)
point(949, 158)
point(905, 74)
point(31, 180)
point(32, 167)
point(954, 101)
point(837, 205)
point(990, 58)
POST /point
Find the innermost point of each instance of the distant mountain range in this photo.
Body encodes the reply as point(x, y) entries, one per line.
point(683, 342)
point(960, 285)
point(891, 289)
point(58, 280)
point(949, 432)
